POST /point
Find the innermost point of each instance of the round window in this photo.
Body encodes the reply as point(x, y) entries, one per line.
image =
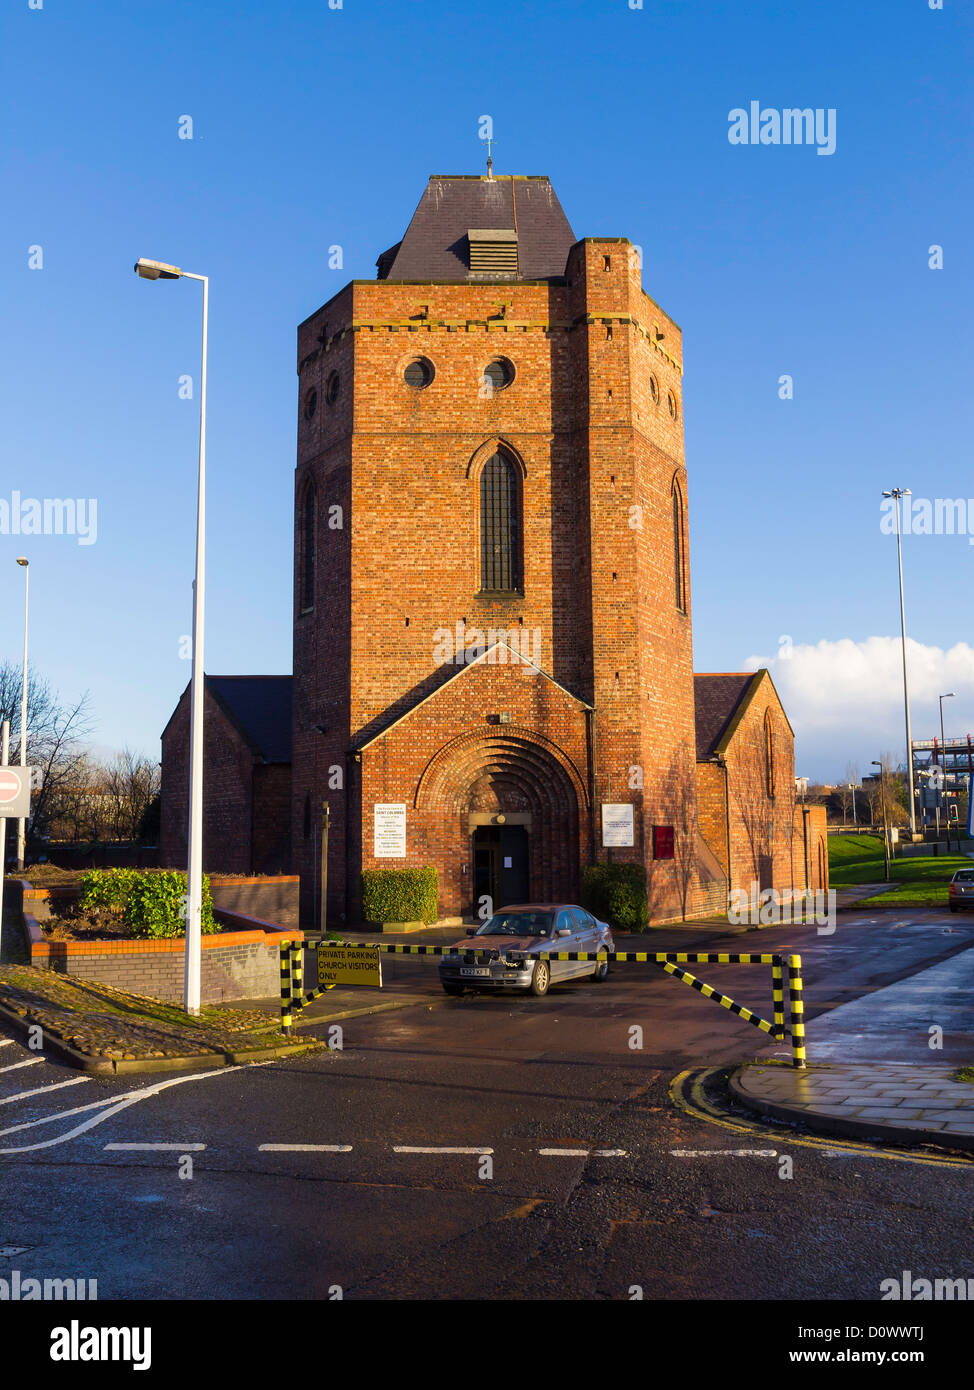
point(332, 387)
point(419, 373)
point(654, 390)
point(310, 404)
point(671, 403)
point(499, 373)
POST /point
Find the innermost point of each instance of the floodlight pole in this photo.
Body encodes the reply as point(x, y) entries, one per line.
point(161, 270)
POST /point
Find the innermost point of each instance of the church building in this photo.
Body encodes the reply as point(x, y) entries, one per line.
point(493, 667)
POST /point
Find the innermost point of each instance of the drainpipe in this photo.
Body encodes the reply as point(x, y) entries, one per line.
point(593, 809)
point(805, 814)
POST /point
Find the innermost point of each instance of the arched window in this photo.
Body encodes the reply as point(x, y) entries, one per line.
point(500, 529)
point(679, 558)
point(769, 752)
point(309, 511)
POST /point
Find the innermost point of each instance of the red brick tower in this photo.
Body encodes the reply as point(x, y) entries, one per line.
point(492, 618)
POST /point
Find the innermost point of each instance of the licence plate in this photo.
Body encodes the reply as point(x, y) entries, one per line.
point(475, 970)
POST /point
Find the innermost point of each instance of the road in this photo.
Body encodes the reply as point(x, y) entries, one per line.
point(574, 1176)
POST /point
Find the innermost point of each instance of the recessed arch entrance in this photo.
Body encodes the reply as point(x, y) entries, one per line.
point(510, 810)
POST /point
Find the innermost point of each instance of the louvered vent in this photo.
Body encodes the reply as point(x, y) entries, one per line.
point(492, 251)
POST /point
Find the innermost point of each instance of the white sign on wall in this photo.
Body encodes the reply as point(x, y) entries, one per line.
point(618, 825)
point(390, 830)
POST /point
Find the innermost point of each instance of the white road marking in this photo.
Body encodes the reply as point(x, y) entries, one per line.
point(115, 1104)
point(42, 1090)
point(582, 1153)
point(168, 1148)
point(436, 1149)
point(31, 1062)
point(724, 1153)
point(304, 1148)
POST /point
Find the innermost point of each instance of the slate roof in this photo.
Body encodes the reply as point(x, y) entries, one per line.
point(717, 699)
point(434, 247)
point(260, 706)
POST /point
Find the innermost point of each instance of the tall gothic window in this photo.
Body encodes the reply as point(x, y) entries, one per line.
point(308, 518)
point(769, 752)
point(500, 559)
point(679, 559)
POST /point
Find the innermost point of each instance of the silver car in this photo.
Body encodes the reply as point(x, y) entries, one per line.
point(502, 954)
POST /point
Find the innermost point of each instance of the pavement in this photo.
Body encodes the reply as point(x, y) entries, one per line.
point(882, 1066)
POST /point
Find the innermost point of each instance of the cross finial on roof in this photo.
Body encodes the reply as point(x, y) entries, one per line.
point(490, 162)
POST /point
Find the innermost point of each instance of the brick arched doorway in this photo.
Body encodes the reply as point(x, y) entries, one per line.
point(513, 796)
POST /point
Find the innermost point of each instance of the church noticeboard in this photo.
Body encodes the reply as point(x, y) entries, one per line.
point(618, 825)
point(390, 830)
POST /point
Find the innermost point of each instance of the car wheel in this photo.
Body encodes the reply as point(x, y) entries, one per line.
point(601, 971)
point(453, 989)
point(541, 978)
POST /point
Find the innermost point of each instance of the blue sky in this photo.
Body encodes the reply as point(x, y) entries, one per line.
point(314, 126)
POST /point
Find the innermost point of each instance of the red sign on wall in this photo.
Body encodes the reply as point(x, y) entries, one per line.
point(662, 842)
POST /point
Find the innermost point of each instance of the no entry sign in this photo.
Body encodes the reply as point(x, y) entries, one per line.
point(15, 792)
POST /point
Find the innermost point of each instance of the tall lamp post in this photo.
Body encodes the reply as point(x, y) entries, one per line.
point(22, 824)
point(943, 752)
point(882, 793)
point(159, 270)
point(897, 493)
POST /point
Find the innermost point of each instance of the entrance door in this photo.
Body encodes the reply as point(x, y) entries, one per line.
point(500, 859)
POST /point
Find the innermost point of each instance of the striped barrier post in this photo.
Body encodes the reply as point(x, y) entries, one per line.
point(286, 1014)
point(797, 1005)
point(778, 999)
point(297, 973)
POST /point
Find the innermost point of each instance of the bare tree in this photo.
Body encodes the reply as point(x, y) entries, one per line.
point(765, 800)
point(130, 782)
point(54, 734)
point(682, 799)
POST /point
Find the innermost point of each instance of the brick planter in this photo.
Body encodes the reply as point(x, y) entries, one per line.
point(238, 964)
point(271, 899)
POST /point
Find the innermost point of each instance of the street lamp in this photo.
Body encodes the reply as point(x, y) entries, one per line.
point(22, 824)
point(852, 788)
point(896, 493)
point(943, 750)
point(160, 270)
point(882, 793)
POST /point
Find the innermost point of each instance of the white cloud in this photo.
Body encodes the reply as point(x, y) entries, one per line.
point(845, 699)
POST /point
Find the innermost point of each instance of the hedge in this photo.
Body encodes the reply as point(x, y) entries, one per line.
point(151, 902)
point(616, 893)
point(399, 895)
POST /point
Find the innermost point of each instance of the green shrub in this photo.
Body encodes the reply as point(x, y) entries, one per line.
point(616, 893)
point(107, 888)
point(151, 902)
point(157, 905)
point(399, 895)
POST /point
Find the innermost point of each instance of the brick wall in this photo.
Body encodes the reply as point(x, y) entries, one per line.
point(246, 803)
point(244, 965)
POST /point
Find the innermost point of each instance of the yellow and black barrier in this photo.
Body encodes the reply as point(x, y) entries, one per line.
point(294, 998)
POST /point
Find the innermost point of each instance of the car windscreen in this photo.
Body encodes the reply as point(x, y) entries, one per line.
point(516, 924)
